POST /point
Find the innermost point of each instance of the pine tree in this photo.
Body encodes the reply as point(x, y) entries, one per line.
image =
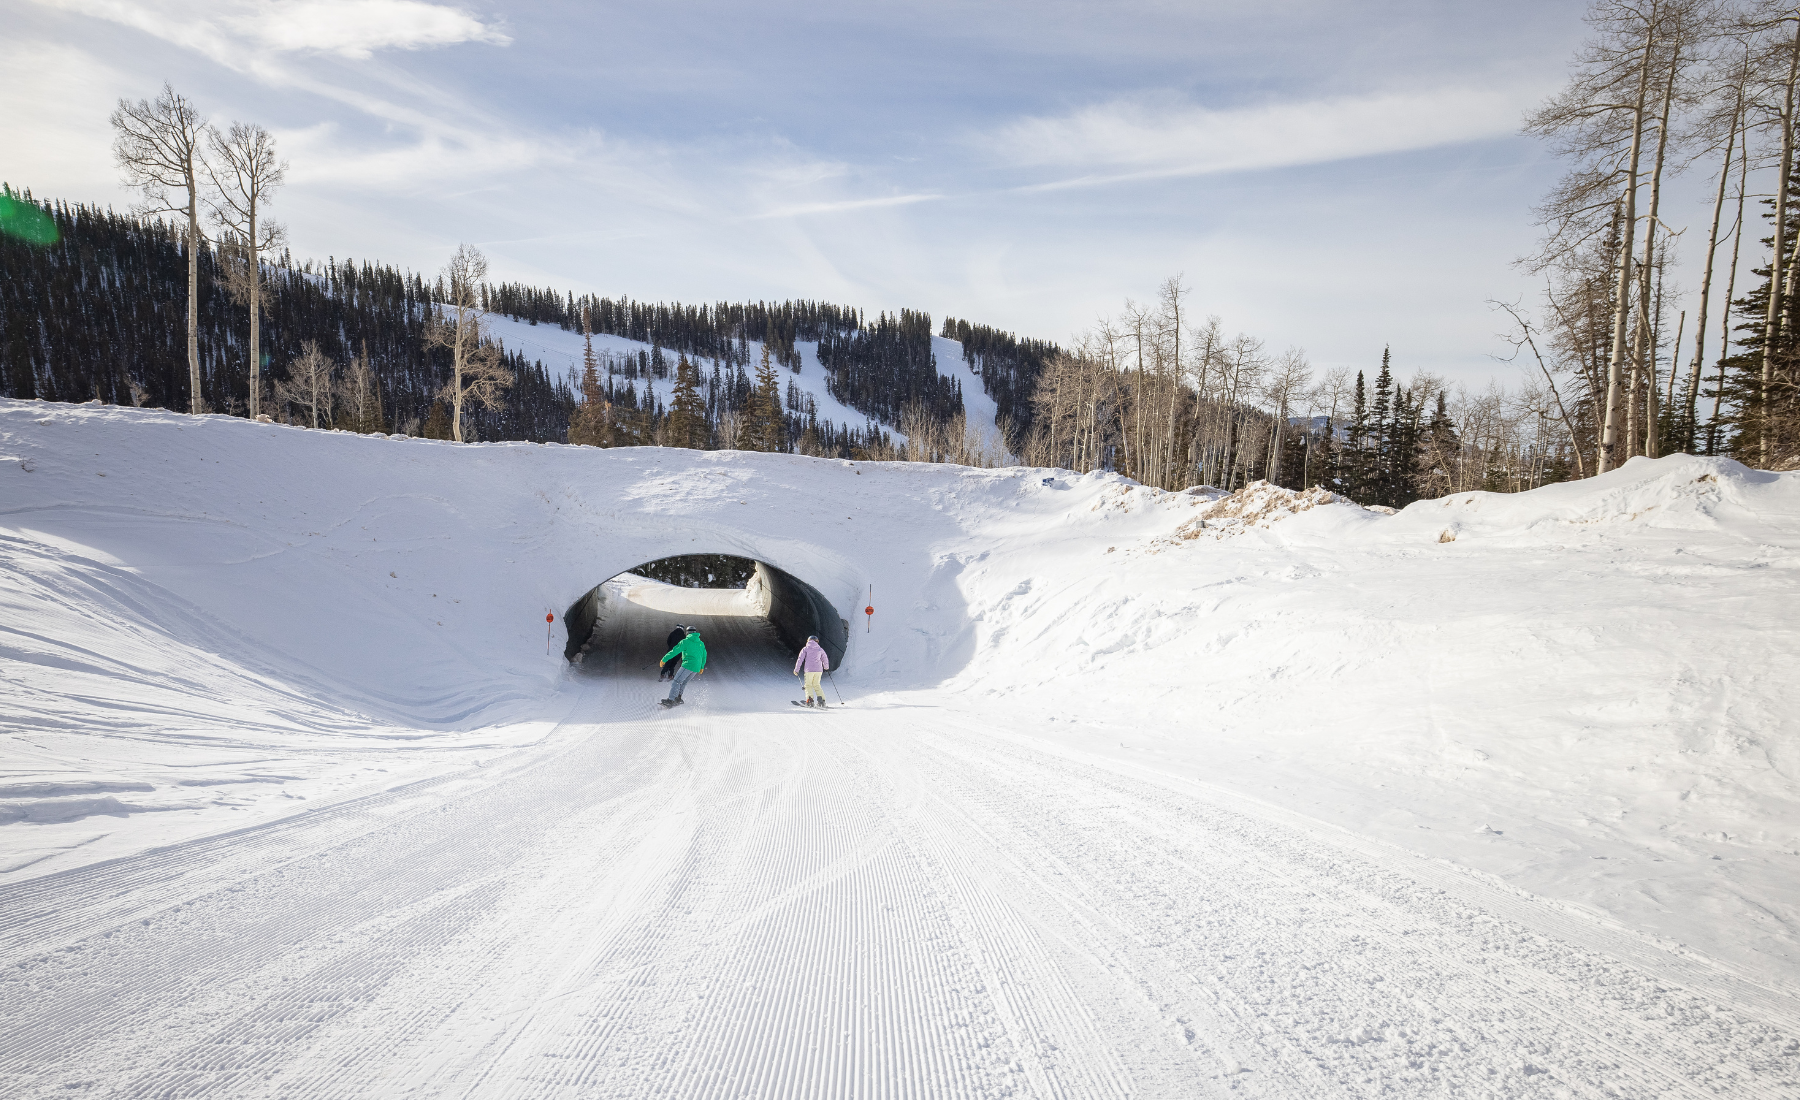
point(437, 425)
point(1353, 474)
point(591, 424)
point(1400, 487)
point(1378, 483)
point(359, 396)
point(764, 427)
point(1439, 452)
point(686, 426)
point(1760, 425)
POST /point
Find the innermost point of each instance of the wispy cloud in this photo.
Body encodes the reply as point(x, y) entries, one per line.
point(845, 205)
point(349, 28)
point(1162, 137)
point(355, 28)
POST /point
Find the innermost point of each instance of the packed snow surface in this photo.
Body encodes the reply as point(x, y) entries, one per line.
point(1132, 793)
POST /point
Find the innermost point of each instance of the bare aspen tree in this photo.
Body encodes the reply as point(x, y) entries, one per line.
point(1289, 378)
point(157, 145)
point(245, 173)
point(1685, 22)
point(1140, 328)
point(309, 384)
point(1169, 377)
point(1728, 92)
point(1668, 400)
point(1528, 340)
point(359, 395)
point(457, 325)
point(1599, 120)
point(1737, 240)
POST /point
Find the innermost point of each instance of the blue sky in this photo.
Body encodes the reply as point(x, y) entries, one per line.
point(1327, 176)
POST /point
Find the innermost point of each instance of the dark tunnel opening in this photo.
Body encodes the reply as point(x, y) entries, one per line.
point(792, 607)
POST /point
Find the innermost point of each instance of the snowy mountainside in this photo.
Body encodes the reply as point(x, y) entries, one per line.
point(207, 623)
point(561, 350)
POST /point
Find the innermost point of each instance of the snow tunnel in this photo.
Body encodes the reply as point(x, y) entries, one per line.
point(627, 615)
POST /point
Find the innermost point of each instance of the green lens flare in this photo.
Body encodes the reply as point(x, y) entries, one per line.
point(26, 221)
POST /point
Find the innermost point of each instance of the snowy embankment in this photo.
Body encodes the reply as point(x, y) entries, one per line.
point(207, 623)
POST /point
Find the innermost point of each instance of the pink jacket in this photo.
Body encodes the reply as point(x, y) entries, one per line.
point(813, 658)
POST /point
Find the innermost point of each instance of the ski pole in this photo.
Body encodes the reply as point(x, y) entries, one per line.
point(832, 676)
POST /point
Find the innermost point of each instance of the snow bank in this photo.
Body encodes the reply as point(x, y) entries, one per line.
point(1258, 504)
point(1581, 692)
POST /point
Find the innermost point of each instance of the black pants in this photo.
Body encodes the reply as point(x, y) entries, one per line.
point(668, 670)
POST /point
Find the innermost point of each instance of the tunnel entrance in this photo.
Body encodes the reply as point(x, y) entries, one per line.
point(793, 608)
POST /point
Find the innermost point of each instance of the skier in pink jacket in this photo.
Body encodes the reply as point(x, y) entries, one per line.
point(814, 661)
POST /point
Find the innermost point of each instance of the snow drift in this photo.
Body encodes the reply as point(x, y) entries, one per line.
point(1577, 690)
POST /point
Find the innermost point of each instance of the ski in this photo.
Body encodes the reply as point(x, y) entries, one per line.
point(798, 703)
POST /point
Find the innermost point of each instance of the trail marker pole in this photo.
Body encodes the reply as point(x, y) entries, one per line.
point(869, 612)
point(549, 617)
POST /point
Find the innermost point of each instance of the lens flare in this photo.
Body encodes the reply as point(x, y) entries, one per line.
point(26, 221)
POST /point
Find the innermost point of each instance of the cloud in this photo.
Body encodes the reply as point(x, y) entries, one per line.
point(842, 205)
point(355, 28)
point(349, 28)
point(1151, 138)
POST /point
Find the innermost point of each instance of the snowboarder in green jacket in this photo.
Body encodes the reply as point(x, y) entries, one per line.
point(692, 652)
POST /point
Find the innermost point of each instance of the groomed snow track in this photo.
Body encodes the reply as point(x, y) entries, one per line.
point(886, 902)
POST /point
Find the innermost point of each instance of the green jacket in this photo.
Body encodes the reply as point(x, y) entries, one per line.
point(692, 652)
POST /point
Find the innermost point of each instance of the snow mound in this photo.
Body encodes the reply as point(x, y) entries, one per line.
point(1677, 493)
point(1257, 505)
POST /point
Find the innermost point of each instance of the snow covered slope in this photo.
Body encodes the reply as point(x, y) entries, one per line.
point(1569, 705)
point(560, 351)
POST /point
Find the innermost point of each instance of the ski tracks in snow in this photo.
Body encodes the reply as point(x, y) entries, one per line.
point(724, 902)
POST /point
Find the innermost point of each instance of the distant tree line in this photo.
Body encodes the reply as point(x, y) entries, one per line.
point(1172, 400)
point(97, 313)
point(93, 308)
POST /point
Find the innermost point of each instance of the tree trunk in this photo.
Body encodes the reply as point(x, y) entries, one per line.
point(1644, 364)
point(1609, 436)
point(1778, 253)
point(456, 365)
point(1737, 240)
point(255, 317)
point(196, 401)
point(1669, 402)
point(1712, 248)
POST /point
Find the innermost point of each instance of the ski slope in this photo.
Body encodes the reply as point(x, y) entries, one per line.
point(1492, 797)
point(561, 351)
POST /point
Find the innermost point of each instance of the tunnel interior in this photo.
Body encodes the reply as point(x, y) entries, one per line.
point(790, 606)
